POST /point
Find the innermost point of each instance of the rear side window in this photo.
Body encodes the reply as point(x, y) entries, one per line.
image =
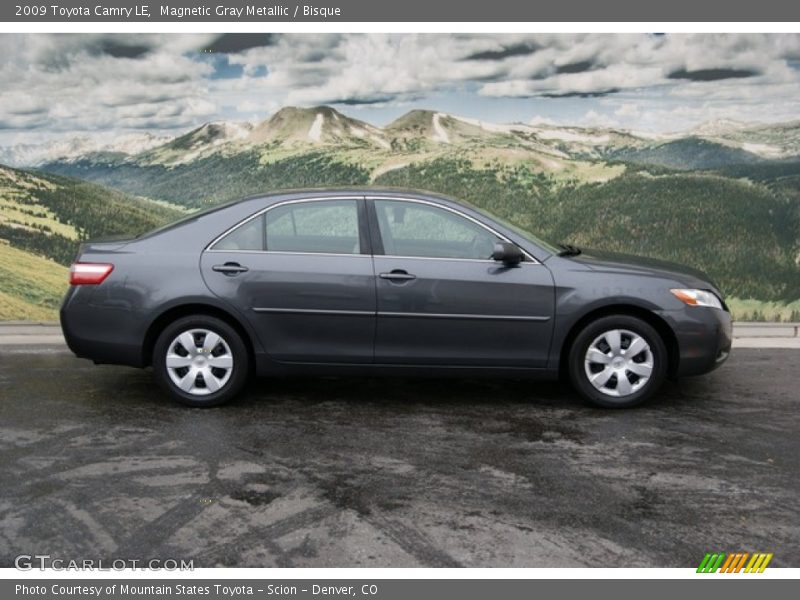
point(248, 236)
point(328, 226)
point(323, 226)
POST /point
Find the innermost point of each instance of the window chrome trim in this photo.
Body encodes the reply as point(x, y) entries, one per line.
point(210, 247)
point(455, 212)
point(288, 252)
point(477, 260)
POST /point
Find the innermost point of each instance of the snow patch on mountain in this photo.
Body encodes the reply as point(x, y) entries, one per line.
point(315, 131)
point(439, 132)
point(764, 150)
point(572, 136)
point(719, 126)
point(495, 127)
point(236, 131)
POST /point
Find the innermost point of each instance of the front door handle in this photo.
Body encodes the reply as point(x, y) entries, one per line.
point(230, 268)
point(397, 275)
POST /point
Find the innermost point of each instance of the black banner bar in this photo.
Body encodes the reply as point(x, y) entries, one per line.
point(471, 11)
point(733, 587)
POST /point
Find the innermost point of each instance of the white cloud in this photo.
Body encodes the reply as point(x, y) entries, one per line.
point(90, 82)
point(628, 110)
point(592, 118)
point(67, 83)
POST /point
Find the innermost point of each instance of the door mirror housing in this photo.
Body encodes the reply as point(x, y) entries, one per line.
point(507, 253)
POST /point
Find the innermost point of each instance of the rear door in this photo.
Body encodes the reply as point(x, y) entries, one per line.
point(301, 273)
point(443, 301)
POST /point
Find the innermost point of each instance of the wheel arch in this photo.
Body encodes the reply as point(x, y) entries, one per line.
point(188, 309)
point(659, 324)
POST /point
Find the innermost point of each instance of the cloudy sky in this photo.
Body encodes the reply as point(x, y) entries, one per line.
point(67, 84)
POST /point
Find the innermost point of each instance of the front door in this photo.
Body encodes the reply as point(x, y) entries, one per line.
point(442, 300)
point(302, 274)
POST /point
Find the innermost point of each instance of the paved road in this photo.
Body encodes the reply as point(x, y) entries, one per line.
point(94, 463)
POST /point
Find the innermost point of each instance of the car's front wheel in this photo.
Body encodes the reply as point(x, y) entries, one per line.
point(200, 361)
point(617, 361)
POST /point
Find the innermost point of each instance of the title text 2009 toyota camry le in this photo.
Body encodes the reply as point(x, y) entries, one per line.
point(384, 282)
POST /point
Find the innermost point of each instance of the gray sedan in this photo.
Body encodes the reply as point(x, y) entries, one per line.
point(381, 281)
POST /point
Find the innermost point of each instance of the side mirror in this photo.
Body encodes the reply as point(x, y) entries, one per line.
point(507, 253)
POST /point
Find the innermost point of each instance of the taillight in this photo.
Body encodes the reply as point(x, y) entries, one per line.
point(89, 273)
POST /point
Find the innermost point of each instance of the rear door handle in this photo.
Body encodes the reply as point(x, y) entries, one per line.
point(397, 275)
point(230, 268)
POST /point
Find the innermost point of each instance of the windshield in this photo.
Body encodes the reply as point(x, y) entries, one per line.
point(524, 233)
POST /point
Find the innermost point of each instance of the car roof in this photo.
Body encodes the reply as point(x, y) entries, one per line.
point(319, 192)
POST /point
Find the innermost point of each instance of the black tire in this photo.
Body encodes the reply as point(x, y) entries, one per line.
point(233, 383)
point(577, 361)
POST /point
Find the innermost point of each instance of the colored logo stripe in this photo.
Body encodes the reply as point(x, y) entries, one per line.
point(711, 562)
point(734, 562)
point(758, 563)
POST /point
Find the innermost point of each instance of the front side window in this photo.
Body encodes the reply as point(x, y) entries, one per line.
point(414, 229)
point(325, 226)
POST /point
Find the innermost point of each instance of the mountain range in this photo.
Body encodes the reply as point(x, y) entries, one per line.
point(323, 127)
point(724, 197)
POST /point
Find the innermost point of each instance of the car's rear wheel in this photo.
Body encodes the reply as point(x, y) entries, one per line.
point(200, 361)
point(617, 361)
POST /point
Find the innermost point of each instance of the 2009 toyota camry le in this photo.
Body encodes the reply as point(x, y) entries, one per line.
point(368, 281)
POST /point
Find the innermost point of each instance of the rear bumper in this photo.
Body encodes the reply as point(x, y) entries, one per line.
point(704, 338)
point(103, 335)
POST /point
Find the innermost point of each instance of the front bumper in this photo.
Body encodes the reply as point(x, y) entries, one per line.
point(704, 337)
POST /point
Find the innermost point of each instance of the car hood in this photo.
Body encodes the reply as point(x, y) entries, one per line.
point(616, 262)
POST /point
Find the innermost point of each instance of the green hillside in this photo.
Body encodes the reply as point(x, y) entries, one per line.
point(48, 214)
point(744, 236)
point(32, 286)
point(43, 217)
point(687, 153)
point(218, 178)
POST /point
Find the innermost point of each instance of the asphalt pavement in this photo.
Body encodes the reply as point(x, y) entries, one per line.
point(96, 463)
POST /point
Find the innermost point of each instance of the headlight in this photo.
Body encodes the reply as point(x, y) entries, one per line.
point(697, 298)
